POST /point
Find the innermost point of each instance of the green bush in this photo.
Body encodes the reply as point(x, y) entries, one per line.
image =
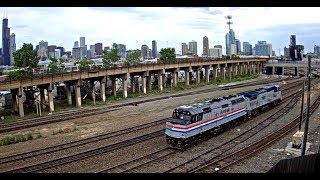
point(15, 139)
point(18, 74)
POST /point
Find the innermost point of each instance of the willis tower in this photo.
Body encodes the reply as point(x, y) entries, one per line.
point(5, 43)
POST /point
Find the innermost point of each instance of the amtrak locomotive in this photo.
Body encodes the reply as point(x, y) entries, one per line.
point(190, 124)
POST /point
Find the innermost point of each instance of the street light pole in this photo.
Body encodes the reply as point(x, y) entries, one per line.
point(301, 119)
point(303, 150)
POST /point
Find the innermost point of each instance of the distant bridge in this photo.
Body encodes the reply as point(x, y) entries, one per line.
point(303, 64)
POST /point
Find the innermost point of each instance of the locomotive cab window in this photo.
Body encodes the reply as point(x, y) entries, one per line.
point(183, 115)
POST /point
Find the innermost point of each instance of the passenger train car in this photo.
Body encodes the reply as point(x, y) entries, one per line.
point(190, 123)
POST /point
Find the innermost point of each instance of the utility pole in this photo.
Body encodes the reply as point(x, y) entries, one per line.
point(304, 142)
point(301, 119)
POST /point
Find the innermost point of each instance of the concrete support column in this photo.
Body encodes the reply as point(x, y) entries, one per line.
point(50, 98)
point(223, 72)
point(93, 91)
point(42, 96)
point(282, 71)
point(78, 93)
point(114, 86)
point(103, 88)
point(186, 77)
point(68, 92)
point(273, 70)
point(149, 82)
point(249, 68)
point(144, 82)
point(14, 93)
point(164, 78)
point(160, 79)
point(125, 78)
point(254, 68)
point(207, 73)
point(175, 77)
point(236, 69)
point(20, 102)
point(198, 75)
point(133, 86)
point(229, 72)
point(245, 68)
point(214, 72)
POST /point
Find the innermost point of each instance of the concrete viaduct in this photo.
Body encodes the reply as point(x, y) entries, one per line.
point(217, 68)
point(275, 66)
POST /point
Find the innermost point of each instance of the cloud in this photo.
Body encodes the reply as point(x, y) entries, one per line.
point(135, 26)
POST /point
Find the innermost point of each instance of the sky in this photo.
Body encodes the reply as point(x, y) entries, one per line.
point(134, 26)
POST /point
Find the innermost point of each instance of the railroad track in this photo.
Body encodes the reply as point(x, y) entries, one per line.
point(216, 152)
point(89, 153)
point(84, 141)
point(103, 109)
point(77, 143)
point(130, 166)
point(215, 157)
point(72, 158)
point(248, 151)
point(138, 162)
point(86, 154)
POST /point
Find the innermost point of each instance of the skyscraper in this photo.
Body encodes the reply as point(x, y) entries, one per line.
point(247, 48)
point(233, 49)
point(5, 43)
point(43, 49)
point(300, 51)
point(82, 41)
point(52, 51)
point(83, 46)
point(269, 49)
point(292, 48)
point(122, 50)
point(316, 50)
point(93, 50)
point(286, 52)
point(154, 49)
point(193, 47)
point(230, 39)
point(238, 46)
point(62, 50)
point(184, 48)
point(262, 48)
point(98, 49)
point(144, 51)
point(12, 47)
point(205, 46)
point(76, 44)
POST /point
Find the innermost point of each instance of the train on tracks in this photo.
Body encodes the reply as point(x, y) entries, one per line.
point(191, 123)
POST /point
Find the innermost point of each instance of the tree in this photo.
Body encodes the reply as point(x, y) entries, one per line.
point(110, 58)
point(55, 66)
point(26, 57)
point(134, 58)
point(85, 64)
point(168, 55)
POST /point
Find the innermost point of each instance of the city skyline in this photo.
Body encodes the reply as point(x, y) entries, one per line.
point(64, 26)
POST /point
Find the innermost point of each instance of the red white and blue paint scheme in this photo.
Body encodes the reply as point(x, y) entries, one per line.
point(190, 123)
